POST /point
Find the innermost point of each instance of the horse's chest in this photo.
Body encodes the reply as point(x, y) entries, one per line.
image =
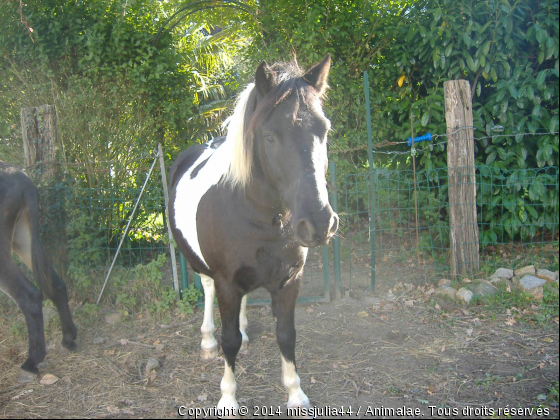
point(274, 265)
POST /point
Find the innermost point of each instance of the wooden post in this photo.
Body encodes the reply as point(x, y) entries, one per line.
point(38, 126)
point(39, 132)
point(463, 226)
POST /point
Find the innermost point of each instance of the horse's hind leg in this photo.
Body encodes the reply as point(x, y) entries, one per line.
point(59, 296)
point(283, 307)
point(208, 345)
point(29, 300)
point(22, 245)
point(243, 324)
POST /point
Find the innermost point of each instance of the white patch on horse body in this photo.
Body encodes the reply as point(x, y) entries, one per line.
point(230, 160)
point(189, 191)
point(228, 387)
point(208, 345)
point(290, 378)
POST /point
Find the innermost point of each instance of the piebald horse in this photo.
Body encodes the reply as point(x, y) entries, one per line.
point(19, 233)
point(245, 208)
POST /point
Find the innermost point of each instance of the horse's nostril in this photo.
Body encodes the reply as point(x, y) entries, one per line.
point(305, 230)
point(334, 225)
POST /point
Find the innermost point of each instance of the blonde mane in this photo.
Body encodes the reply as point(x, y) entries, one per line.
point(239, 171)
point(247, 114)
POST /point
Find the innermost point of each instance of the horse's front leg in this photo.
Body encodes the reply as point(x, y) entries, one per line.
point(243, 325)
point(229, 301)
point(283, 307)
point(208, 345)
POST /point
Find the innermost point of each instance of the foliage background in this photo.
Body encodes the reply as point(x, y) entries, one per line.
point(118, 92)
point(113, 85)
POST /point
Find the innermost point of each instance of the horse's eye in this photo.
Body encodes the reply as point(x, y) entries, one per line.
point(269, 137)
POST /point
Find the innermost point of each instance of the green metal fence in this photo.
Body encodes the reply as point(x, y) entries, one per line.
point(94, 219)
point(509, 227)
point(377, 211)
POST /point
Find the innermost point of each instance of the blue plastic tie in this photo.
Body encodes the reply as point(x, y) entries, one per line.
point(425, 137)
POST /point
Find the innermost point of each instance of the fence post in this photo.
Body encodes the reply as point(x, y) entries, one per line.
point(170, 236)
point(39, 133)
point(184, 273)
point(371, 184)
point(463, 225)
point(336, 240)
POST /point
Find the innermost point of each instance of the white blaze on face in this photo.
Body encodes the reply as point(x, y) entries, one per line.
point(189, 191)
point(319, 159)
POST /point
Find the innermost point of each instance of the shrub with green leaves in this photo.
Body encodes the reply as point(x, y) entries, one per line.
point(507, 51)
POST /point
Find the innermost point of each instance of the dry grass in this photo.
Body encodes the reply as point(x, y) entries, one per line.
point(348, 354)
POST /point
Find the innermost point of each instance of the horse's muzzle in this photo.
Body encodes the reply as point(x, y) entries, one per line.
point(317, 231)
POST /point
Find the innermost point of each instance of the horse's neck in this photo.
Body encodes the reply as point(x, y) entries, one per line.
point(262, 196)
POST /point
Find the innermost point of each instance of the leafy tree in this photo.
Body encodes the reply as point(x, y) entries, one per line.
point(117, 91)
point(508, 53)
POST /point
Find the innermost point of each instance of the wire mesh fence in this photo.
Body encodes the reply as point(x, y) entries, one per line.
point(391, 227)
point(92, 216)
point(517, 213)
point(97, 216)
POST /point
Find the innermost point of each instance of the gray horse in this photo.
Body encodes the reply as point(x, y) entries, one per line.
point(19, 233)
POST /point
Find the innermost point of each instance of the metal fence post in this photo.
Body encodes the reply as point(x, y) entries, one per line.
point(371, 182)
point(169, 234)
point(184, 272)
point(326, 276)
point(336, 241)
point(198, 285)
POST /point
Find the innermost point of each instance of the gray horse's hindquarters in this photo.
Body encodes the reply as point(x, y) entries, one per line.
point(19, 231)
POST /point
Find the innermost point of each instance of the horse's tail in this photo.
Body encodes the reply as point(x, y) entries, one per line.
point(39, 261)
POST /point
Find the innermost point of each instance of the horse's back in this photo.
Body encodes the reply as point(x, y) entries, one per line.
point(188, 158)
point(12, 182)
point(183, 162)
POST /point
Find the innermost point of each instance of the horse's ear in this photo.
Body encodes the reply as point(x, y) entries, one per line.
point(318, 74)
point(265, 78)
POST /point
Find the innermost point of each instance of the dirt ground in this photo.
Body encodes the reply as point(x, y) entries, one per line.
point(364, 355)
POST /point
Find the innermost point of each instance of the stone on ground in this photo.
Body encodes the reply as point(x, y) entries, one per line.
point(465, 295)
point(485, 289)
point(530, 269)
point(546, 275)
point(504, 273)
point(448, 291)
point(532, 285)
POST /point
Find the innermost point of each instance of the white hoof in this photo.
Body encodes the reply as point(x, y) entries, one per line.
point(209, 354)
point(228, 408)
point(300, 408)
point(299, 400)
